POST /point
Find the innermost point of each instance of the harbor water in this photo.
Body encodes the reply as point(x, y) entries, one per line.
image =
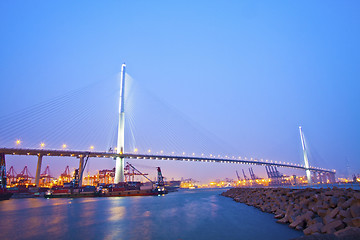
point(186, 214)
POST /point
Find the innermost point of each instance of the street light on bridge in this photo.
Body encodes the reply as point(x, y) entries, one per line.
point(42, 145)
point(18, 142)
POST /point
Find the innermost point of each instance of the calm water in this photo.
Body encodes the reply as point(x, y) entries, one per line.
point(187, 214)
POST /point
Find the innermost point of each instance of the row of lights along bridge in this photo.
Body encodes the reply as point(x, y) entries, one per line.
point(65, 146)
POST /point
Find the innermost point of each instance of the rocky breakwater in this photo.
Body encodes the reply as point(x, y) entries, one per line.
point(334, 212)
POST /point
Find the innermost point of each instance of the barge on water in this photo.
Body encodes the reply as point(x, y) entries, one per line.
point(111, 190)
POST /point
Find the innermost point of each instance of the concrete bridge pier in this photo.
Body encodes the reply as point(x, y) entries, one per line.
point(323, 178)
point(38, 170)
point(319, 177)
point(2, 171)
point(316, 177)
point(331, 177)
point(81, 169)
point(328, 177)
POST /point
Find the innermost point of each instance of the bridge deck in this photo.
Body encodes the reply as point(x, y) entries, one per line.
point(71, 153)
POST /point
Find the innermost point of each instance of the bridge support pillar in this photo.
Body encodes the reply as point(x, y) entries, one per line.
point(81, 169)
point(318, 178)
point(323, 178)
point(332, 178)
point(119, 170)
point(2, 171)
point(38, 170)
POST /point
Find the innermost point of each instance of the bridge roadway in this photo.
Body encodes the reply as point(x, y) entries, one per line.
point(93, 154)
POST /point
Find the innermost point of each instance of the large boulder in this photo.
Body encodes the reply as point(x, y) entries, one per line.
point(334, 212)
point(349, 233)
point(299, 221)
point(347, 203)
point(345, 213)
point(357, 195)
point(355, 210)
point(321, 212)
point(333, 226)
point(334, 201)
point(315, 228)
point(356, 222)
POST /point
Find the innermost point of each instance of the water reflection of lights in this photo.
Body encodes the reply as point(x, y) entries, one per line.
point(117, 213)
point(147, 214)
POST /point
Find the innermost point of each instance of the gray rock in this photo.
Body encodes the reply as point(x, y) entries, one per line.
point(334, 212)
point(349, 233)
point(355, 211)
point(322, 212)
point(315, 228)
point(333, 226)
point(333, 201)
point(356, 222)
point(347, 203)
point(299, 221)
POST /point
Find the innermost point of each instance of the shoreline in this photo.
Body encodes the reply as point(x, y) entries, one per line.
point(322, 213)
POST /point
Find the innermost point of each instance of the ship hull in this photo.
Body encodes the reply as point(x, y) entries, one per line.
point(129, 193)
point(71, 195)
point(5, 196)
point(124, 193)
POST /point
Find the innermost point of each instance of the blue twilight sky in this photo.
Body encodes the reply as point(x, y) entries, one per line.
point(248, 72)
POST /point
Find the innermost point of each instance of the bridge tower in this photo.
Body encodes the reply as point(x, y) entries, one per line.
point(119, 168)
point(306, 160)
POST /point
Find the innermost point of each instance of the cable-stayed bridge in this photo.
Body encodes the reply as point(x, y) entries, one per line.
point(119, 153)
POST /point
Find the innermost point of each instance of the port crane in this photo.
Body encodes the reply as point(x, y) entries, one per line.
point(11, 175)
point(160, 185)
point(238, 177)
point(244, 175)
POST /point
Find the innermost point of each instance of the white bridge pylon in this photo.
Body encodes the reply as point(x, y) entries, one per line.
point(119, 167)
